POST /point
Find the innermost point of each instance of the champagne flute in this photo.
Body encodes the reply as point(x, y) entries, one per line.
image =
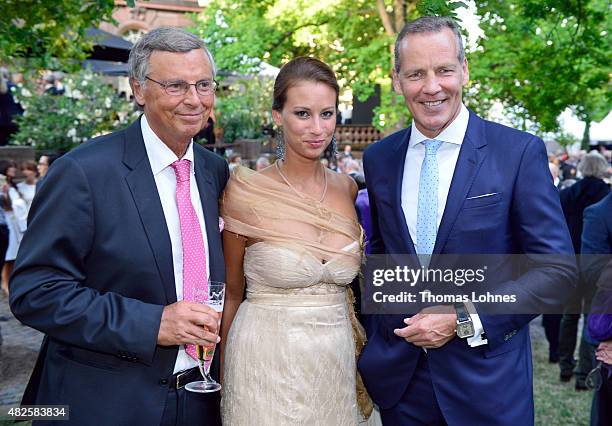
point(214, 298)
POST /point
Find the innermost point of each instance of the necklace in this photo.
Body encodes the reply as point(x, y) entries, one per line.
point(301, 195)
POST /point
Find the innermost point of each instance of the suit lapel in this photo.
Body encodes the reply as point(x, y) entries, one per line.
point(471, 156)
point(141, 182)
point(210, 207)
point(396, 163)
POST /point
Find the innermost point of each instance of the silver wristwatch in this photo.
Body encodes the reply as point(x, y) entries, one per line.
point(465, 327)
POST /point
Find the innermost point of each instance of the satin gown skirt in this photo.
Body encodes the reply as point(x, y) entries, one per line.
point(290, 361)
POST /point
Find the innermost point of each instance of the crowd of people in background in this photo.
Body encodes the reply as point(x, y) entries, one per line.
point(584, 183)
point(16, 197)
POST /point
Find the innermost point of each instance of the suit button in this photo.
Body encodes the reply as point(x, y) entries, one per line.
point(163, 382)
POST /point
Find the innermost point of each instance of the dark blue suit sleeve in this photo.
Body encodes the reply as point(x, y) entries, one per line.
point(376, 242)
point(542, 235)
point(377, 245)
point(596, 243)
point(49, 288)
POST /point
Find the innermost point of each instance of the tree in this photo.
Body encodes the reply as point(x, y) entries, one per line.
point(50, 33)
point(88, 108)
point(355, 37)
point(539, 57)
point(244, 108)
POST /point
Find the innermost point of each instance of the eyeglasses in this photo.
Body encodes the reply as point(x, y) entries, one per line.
point(180, 88)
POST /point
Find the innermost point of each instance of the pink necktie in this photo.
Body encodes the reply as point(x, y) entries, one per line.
point(194, 253)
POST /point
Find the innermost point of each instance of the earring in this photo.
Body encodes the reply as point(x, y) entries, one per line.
point(280, 144)
point(334, 146)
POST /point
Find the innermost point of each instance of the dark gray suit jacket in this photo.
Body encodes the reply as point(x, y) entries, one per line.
point(94, 273)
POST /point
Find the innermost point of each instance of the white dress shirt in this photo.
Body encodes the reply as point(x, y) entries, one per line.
point(448, 153)
point(161, 157)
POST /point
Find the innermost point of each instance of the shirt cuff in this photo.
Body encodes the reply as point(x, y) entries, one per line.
point(477, 339)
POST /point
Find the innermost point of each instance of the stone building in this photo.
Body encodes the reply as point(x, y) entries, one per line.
point(133, 22)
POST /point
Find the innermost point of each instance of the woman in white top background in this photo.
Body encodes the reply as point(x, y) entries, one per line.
point(20, 196)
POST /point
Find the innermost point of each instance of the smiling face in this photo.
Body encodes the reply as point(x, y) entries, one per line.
point(431, 79)
point(308, 119)
point(176, 119)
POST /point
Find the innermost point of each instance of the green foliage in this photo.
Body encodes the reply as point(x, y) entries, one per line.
point(435, 7)
point(88, 108)
point(556, 403)
point(540, 57)
point(244, 108)
point(392, 110)
point(350, 35)
point(50, 33)
point(564, 138)
point(537, 57)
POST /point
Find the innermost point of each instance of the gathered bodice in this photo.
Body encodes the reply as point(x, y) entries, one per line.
point(284, 269)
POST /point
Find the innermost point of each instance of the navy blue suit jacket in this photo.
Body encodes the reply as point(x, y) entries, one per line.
point(490, 384)
point(94, 273)
point(596, 240)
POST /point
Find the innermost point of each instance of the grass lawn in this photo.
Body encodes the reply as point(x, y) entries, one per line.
point(556, 403)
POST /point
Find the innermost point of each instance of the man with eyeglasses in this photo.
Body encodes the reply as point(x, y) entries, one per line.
point(44, 162)
point(122, 233)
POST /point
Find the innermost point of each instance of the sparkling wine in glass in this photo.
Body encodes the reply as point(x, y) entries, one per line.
point(214, 298)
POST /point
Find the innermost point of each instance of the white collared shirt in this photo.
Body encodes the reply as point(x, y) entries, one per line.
point(161, 157)
point(448, 153)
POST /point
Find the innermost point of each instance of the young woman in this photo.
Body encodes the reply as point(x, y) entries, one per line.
point(20, 197)
point(292, 236)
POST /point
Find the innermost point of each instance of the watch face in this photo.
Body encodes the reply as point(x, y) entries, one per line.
point(465, 330)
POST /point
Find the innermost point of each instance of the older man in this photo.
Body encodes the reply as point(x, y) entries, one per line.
point(454, 183)
point(122, 231)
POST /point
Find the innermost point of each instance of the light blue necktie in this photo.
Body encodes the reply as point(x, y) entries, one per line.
point(427, 209)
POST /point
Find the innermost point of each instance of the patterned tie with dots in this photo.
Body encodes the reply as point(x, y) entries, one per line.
point(427, 209)
point(194, 253)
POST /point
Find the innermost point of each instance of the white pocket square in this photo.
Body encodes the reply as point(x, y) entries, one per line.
point(482, 196)
point(221, 224)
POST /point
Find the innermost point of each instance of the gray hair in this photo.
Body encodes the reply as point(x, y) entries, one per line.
point(593, 164)
point(165, 39)
point(429, 24)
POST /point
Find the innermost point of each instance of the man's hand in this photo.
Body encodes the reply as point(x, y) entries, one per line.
point(188, 323)
point(431, 328)
point(604, 352)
